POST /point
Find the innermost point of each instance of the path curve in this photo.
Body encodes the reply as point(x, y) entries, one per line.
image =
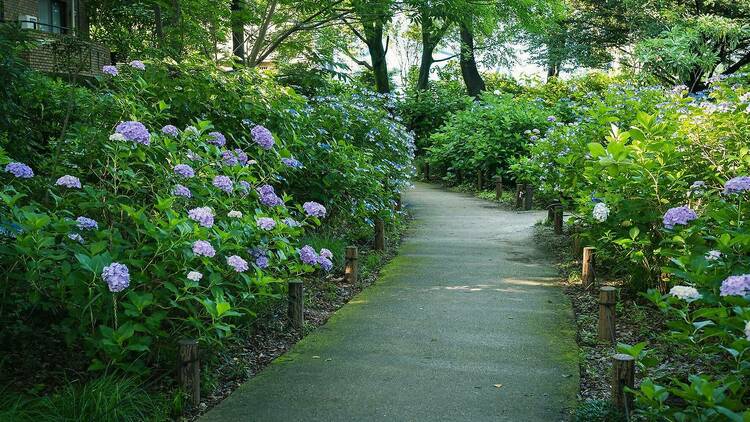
point(465, 324)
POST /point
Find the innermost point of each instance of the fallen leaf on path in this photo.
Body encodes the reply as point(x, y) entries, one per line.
point(316, 357)
point(498, 385)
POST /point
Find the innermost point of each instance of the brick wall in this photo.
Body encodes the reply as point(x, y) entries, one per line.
point(14, 8)
point(44, 58)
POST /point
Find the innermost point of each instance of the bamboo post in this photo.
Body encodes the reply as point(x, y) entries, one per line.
point(498, 187)
point(479, 181)
point(607, 301)
point(351, 264)
point(588, 271)
point(190, 371)
point(528, 199)
point(519, 194)
point(296, 309)
point(379, 234)
point(558, 216)
point(623, 375)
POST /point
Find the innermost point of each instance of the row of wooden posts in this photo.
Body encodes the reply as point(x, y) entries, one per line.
point(189, 362)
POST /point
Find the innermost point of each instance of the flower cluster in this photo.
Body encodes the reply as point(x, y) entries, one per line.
point(234, 158)
point(203, 216)
point(20, 170)
point(117, 277)
point(180, 190)
point(308, 256)
point(262, 137)
point(134, 132)
point(239, 264)
point(314, 209)
point(234, 214)
point(217, 138)
point(184, 171)
point(194, 276)
point(291, 162)
point(85, 223)
point(736, 285)
point(713, 255)
point(69, 181)
point(678, 215)
point(224, 183)
point(265, 223)
point(203, 248)
point(268, 196)
point(110, 70)
point(137, 64)
point(601, 212)
point(170, 130)
point(685, 293)
point(737, 185)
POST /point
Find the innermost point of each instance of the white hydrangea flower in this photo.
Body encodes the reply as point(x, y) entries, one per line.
point(496, 92)
point(234, 214)
point(194, 275)
point(601, 212)
point(685, 293)
point(747, 330)
point(116, 137)
point(713, 255)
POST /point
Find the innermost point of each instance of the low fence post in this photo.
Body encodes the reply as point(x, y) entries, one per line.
point(296, 311)
point(351, 264)
point(498, 187)
point(528, 200)
point(479, 181)
point(379, 234)
point(519, 194)
point(588, 270)
point(426, 171)
point(558, 216)
point(398, 201)
point(190, 370)
point(623, 376)
point(607, 301)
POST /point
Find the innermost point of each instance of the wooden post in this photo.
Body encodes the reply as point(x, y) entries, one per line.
point(479, 181)
point(588, 274)
point(296, 303)
point(623, 375)
point(551, 213)
point(379, 234)
point(398, 201)
point(351, 264)
point(607, 301)
point(528, 199)
point(498, 187)
point(558, 215)
point(519, 194)
point(427, 171)
point(190, 370)
point(460, 176)
point(576, 244)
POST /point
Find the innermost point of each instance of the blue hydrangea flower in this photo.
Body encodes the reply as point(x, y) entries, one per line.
point(266, 223)
point(325, 263)
point(203, 248)
point(203, 216)
point(314, 209)
point(224, 183)
point(263, 137)
point(261, 261)
point(69, 182)
point(217, 138)
point(291, 162)
point(137, 64)
point(85, 223)
point(307, 255)
point(678, 215)
point(737, 185)
point(184, 170)
point(234, 158)
point(292, 222)
point(134, 132)
point(20, 170)
point(170, 130)
point(110, 70)
point(268, 196)
point(239, 264)
point(736, 285)
point(76, 237)
point(180, 190)
point(117, 277)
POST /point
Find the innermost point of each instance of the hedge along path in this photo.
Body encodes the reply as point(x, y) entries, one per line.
point(466, 323)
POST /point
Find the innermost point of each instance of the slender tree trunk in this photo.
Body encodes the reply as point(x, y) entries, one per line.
point(158, 26)
point(553, 69)
point(238, 31)
point(374, 35)
point(428, 46)
point(252, 60)
point(472, 78)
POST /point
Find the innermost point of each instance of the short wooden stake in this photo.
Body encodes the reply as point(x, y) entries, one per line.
point(379, 235)
point(576, 244)
point(351, 264)
point(498, 187)
point(623, 376)
point(479, 181)
point(551, 213)
point(607, 301)
point(558, 217)
point(296, 303)
point(519, 194)
point(588, 270)
point(426, 171)
point(190, 370)
point(398, 201)
point(528, 199)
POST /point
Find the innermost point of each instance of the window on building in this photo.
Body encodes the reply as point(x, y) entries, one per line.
point(52, 16)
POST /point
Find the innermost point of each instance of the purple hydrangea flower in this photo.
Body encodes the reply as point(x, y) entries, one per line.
point(224, 183)
point(262, 137)
point(736, 285)
point(203, 248)
point(291, 222)
point(551, 119)
point(19, 170)
point(203, 216)
point(678, 215)
point(85, 223)
point(76, 237)
point(239, 264)
point(170, 130)
point(234, 158)
point(134, 132)
point(110, 70)
point(137, 64)
point(180, 190)
point(307, 255)
point(326, 253)
point(737, 185)
point(325, 263)
point(69, 182)
point(268, 196)
point(266, 223)
point(261, 261)
point(314, 209)
point(217, 138)
point(184, 170)
point(291, 162)
point(192, 156)
point(117, 277)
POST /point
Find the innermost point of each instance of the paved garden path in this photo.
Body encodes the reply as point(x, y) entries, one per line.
point(466, 324)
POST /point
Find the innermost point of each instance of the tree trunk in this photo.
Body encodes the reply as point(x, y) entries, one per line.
point(472, 78)
point(374, 34)
point(238, 31)
point(553, 69)
point(262, 31)
point(158, 26)
point(428, 45)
